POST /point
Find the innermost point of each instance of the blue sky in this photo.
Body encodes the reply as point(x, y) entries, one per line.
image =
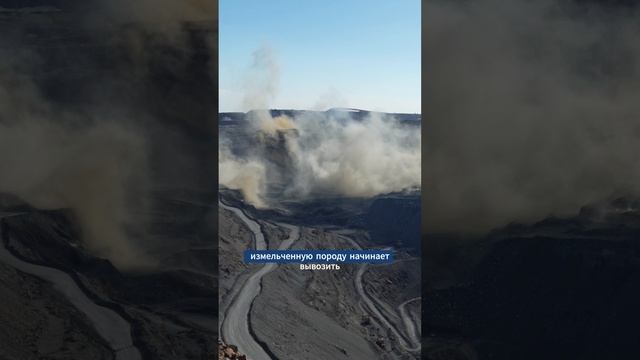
point(350, 53)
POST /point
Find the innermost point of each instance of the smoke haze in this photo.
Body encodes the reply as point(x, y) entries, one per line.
point(261, 83)
point(315, 155)
point(51, 163)
point(246, 175)
point(87, 124)
point(532, 110)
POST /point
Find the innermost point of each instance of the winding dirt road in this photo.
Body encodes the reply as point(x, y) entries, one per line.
point(109, 324)
point(235, 326)
point(412, 344)
point(410, 324)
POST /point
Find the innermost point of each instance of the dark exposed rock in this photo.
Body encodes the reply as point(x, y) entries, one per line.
point(229, 352)
point(555, 289)
point(395, 221)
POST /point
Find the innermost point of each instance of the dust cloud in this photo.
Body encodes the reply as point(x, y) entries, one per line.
point(531, 110)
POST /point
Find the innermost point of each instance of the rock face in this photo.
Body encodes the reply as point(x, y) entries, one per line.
point(229, 352)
